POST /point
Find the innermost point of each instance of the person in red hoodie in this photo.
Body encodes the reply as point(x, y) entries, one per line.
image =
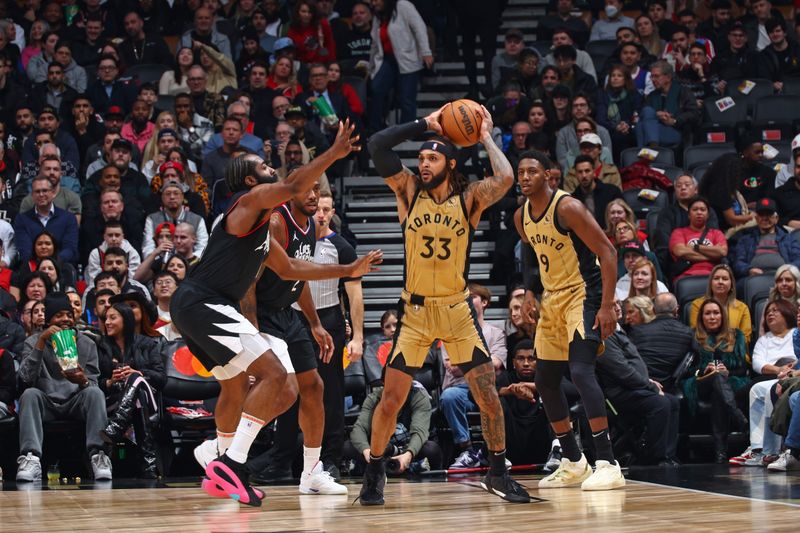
point(311, 35)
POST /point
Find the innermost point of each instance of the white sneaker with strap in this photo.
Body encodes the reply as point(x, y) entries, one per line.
point(568, 474)
point(606, 476)
point(319, 481)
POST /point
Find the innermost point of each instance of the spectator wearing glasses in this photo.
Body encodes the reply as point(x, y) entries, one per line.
point(735, 59)
point(58, 222)
point(109, 90)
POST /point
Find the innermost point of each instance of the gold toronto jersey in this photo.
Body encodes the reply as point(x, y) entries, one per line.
point(437, 242)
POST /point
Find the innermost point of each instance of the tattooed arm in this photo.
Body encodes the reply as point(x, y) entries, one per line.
point(485, 192)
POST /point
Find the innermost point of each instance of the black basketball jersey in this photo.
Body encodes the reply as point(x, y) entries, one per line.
point(272, 292)
point(230, 263)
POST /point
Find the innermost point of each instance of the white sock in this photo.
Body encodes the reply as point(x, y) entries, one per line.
point(224, 441)
point(310, 458)
point(246, 433)
point(555, 443)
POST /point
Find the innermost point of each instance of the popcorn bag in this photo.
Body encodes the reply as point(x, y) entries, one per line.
point(66, 349)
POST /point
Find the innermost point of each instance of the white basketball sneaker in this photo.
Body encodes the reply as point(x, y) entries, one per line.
point(206, 452)
point(319, 481)
point(568, 474)
point(606, 476)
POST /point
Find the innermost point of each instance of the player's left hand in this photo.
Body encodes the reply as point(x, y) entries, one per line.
point(355, 349)
point(486, 124)
point(606, 320)
point(366, 264)
point(325, 342)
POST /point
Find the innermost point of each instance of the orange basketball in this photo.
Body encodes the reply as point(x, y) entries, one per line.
point(461, 122)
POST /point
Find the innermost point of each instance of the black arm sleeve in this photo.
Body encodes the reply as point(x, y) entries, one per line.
point(387, 163)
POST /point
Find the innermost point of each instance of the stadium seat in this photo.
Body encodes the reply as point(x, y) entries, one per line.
point(166, 102)
point(763, 87)
point(700, 171)
point(721, 126)
point(756, 312)
point(360, 85)
point(543, 47)
point(641, 207)
point(687, 289)
point(791, 86)
point(671, 171)
point(784, 149)
point(757, 288)
point(147, 72)
point(630, 155)
point(775, 115)
point(694, 156)
point(600, 51)
point(650, 227)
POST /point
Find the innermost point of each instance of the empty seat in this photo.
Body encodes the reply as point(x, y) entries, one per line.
point(630, 155)
point(721, 126)
point(757, 288)
point(775, 115)
point(763, 87)
point(791, 86)
point(147, 72)
point(689, 288)
point(641, 206)
point(694, 156)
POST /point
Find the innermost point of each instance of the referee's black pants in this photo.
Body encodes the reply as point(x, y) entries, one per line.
point(332, 374)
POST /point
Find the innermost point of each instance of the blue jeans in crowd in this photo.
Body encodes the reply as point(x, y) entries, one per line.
point(761, 436)
point(456, 403)
point(651, 130)
point(387, 78)
point(793, 435)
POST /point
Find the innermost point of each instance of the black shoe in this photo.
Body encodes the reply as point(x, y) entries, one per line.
point(333, 470)
point(670, 462)
point(374, 482)
point(231, 477)
point(506, 488)
point(272, 475)
point(721, 458)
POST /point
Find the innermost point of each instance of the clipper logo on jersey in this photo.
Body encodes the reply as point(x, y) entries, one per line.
point(263, 247)
point(304, 253)
point(444, 220)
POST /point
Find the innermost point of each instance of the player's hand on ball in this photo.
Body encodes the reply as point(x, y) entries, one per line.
point(486, 124)
point(366, 264)
point(434, 121)
point(325, 342)
point(345, 141)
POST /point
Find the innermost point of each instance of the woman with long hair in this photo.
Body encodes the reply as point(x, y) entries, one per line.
point(649, 36)
point(719, 372)
point(618, 210)
point(44, 246)
point(36, 286)
point(311, 33)
point(618, 106)
point(399, 52)
point(35, 42)
point(559, 107)
point(722, 287)
point(131, 369)
point(786, 287)
point(283, 79)
point(220, 69)
point(151, 157)
point(720, 185)
point(644, 280)
point(144, 311)
point(31, 316)
point(336, 85)
point(174, 82)
point(52, 268)
point(178, 265)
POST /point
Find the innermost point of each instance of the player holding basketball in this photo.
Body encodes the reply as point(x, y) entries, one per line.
point(438, 212)
point(576, 313)
point(205, 309)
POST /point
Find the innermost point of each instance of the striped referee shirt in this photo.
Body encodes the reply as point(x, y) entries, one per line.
point(330, 250)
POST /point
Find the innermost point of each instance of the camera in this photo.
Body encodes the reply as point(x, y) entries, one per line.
point(392, 465)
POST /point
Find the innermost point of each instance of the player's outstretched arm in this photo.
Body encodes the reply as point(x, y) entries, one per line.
point(489, 190)
point(294, 269)
point(574, 216)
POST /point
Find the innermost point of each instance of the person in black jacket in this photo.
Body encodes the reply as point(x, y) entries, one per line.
point(737, 59)
point(8, 383)
point(781, 59)
point(572, 75)
point(663, 342)
point(627, 385)
point(131, 368)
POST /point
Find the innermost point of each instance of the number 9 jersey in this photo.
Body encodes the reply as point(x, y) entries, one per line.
point(564, 260)
point(437, 242)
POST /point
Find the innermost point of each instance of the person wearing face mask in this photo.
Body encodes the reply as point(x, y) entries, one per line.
point(603, 30)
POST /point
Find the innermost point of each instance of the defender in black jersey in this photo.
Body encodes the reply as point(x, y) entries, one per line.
point(205, 310)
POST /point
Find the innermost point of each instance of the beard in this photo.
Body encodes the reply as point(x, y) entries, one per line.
point(267, 179)
point(435, 181)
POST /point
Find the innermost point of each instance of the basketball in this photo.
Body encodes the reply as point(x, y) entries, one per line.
point(461, 122)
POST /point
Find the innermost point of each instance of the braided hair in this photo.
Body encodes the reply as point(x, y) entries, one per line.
point(238, 169)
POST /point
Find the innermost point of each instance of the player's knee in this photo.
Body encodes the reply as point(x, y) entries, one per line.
point(582, 375)
point(311, 385)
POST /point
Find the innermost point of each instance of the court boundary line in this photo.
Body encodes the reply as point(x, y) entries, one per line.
point(700, 491)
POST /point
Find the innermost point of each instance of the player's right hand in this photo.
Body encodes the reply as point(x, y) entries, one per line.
point(434, 121)
point(530, 311)
point(345, 141)
point(366, 264)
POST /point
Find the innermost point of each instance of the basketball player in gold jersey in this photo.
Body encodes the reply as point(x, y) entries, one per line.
point(575, 315)
point(438, 212)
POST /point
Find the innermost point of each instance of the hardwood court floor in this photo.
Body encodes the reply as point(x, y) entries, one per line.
point(455, 506)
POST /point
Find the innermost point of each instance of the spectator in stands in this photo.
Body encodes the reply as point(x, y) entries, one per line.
point(757, 33)
point(520, 133)
point(718, 374)
point(53, 90)
point(774, 353)
point(616, 212)
point(786, 287)
point(185, 240)
point(353, 44)
point(664, 341)
point(178, 266)
point(718, 24)
point(116, 261)
point(722, 287)
point(37, 66)
point(173, 82)
point(173, 210)
point(251, 52)
point(456, 398)
point(591, 146)
point(763, 249)
point(32, 319)
point(164, 285)
point(627, 385)
point(59, 282)
point(195, 188)
point(220, 69)
point(132, 183)
point(48, 120)
point(138, 48)
point(399, 51)
point(64, 198)
point(657, 11)
point(676, 215)
point(206, 104)
point(618, 106)
point(788, 460)
point(337, 86)
point(131, 370)
point(563, 37)
point(139, 130)
point(735, 59)
point(565, 57)
point(787, 196)
point(649, 36)
point(638, 310)
point(520, 328)
point(54, 394)
point(668, 111)
point(194, 129)
point(593, 192)
point(583, 126)
point(642, 278)
point(164, 138)
point(606, 29)
point(625, 231)
point(113, 237)
point(215, 163)
point(312, 33)
point(563, 18)
point(781, 58)
point(505, 62)
point(205, 32)
point(109, 90)
point(34, 42)
point(283, 79)
point(60, 223)
point(112, 207)
point(759, 179)
point(721, 186)
point(567, 136)
point(696, 75)
point(237, 110)
point(414, 417)
point(528, 433)
point(157, 260)
point(84, 125)
point(696, 248)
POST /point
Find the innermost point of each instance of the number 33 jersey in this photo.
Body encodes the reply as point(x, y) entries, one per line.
point(437, 242)
point(564, 260)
